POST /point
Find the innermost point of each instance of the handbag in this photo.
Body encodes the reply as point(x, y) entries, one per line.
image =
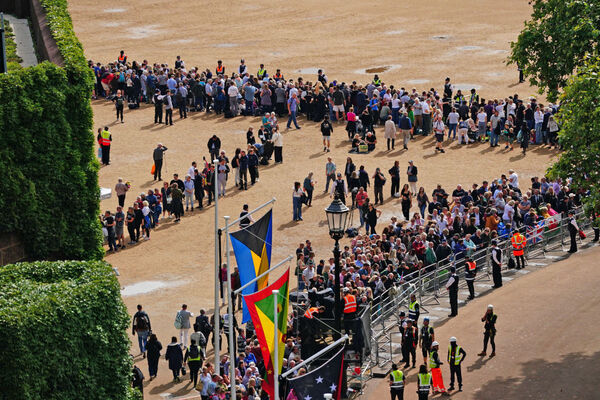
point(200, 386)
point(153, 169)
point(582, 234)
point(183, 370)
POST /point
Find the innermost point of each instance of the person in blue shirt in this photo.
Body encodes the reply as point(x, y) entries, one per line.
point(249, 357)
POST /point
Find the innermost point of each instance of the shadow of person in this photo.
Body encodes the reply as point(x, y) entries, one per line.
point(479, 362)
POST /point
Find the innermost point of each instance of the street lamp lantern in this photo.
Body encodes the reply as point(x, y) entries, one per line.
point(337, 217)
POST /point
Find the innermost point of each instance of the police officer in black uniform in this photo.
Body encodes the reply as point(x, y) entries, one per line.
point(452, 287)
point(470, 273)
point(496, 264)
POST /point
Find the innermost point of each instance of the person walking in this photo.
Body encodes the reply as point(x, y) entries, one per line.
point(193, 357)
point(412, 172)
point(141, 326)
point(214, 147)
point(452, 287)
point(390, 132)
point(330, 169)
point(158, 156)
point(436, 372)
point(518, 242)
point(153, 348)
point(174, 355)
point(424, 383)
point(371, 216)
point(456, 356)
point(397, 379)
point(121, 190)
point(496, 264)
point(182, 323)
point(109, 223)
point(573, 231)
point(470, 273)
point(427, 338)
point(292, 105)
point(395, 174)
point(489, 334)
point(297, 202)
point(309, 187)
point(105, 140)
point(326, 131)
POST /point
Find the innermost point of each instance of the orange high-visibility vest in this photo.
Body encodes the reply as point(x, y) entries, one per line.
point(518, 244)
point(220, 69)
point(471, 265)
point(310, 312)
point(350, 305)
point(122, 58)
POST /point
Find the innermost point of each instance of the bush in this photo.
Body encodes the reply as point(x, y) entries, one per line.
point(63, 332)
point(12, 58)
point(49, 190)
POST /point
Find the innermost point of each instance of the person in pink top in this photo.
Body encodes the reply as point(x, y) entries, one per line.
point(351, 125)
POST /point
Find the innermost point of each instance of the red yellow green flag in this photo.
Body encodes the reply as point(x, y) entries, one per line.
point(261, 308)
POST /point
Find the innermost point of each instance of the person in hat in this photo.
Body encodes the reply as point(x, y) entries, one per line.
point(397, 379)
point(496, 257)
point(573, 231)
point(456, 355)
point(489, 334)
point(410, 339)
point(436, 372)
point(452, 287)
point(427, 338)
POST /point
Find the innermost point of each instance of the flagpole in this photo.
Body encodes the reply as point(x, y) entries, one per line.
point(288, 258)
point(309, 359)
point(230, 312)
point(276, 347)
point(273, 200)
point(216, 336)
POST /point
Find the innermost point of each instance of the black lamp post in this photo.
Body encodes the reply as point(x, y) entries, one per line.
point(337, 217)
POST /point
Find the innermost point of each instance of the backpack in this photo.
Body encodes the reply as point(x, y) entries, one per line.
point(194, 352)
point(166, 100)
point(141, 323)
point(178, 320)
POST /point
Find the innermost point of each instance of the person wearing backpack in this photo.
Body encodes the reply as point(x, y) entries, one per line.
point(202, 325)
point(141, 326)
point(182, 322)
point(194, 357)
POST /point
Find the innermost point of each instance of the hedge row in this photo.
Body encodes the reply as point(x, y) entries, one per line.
point(63, 328)
point(49, 190)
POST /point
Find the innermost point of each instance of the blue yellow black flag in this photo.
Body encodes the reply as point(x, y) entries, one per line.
point(252, 248)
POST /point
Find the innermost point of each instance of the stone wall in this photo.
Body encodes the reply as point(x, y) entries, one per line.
point(11, 249)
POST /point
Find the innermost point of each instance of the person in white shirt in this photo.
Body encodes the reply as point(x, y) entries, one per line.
point(538, 117)
point(509, 211)
point(453, 123)
point(233, 93)
point(513, 178)
point(481, 123)
point(438, 129)
point(277, 139)
point(192, 169)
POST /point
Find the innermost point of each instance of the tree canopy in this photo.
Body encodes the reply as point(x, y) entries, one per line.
point(556, 41)
point(579, 117)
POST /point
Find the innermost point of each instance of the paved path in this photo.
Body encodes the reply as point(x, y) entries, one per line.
point(23, 39)
point(547, 334)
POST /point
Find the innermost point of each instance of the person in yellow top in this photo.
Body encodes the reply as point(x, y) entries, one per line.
point(456, 355)
point(518, 243)
point(397, 379)
point(424, 383)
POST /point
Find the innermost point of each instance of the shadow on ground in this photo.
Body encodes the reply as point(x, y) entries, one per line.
point(573, 377)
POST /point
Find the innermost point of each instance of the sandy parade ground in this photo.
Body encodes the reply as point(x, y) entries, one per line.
point(415, 44)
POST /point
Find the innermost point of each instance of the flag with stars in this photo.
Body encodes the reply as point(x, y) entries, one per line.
point(325, 379)
point(261, 307)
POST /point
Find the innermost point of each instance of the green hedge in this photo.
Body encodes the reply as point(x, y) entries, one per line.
point(49, 190)
point(12, 58)
point(63, 332)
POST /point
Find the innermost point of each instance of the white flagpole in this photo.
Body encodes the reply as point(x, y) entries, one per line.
point(216, 336)
point(230, 305)
point(276, 348)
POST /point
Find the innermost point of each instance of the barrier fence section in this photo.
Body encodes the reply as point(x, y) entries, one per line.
point(548, 235)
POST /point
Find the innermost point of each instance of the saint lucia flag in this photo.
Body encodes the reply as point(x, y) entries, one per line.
point(252, 248)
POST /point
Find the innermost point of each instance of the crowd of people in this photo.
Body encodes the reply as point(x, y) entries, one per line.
point(362, 107)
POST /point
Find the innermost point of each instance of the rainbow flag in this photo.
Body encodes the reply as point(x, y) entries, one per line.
point(261, 307)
